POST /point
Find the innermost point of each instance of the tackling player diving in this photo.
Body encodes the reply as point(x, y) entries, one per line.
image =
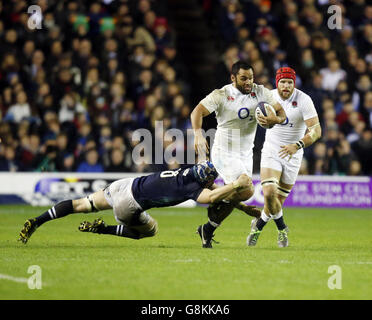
point(131, 197)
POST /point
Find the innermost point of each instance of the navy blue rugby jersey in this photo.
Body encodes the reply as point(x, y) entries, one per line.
point(166, 188)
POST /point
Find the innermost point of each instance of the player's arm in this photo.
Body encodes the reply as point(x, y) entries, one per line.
point(313, 133)
point(221, 193)
point(200, 143)
point(271, 118)
point(280, 113)
point(214, 186)
point(252, 211)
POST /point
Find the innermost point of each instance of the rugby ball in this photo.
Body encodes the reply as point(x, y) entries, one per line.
point(262, 109)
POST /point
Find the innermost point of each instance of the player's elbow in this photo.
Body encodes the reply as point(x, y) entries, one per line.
point(199, 112)
point(195, 114)
point(319, 132)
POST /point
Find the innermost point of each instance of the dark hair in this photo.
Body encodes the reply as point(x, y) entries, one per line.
point(240, 65)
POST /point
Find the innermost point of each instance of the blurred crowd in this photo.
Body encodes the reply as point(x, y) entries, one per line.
point(333, 66)
point(73, 92)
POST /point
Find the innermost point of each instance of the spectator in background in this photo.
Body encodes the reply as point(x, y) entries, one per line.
point(363, 149)
point(355, 168)
point(8, 160)
point(69, 108)
point(20, 110)
point(91, 163)
point(342, 158)
point(68, 163)
point(116, 163)
point(46, 160)
point(366, 108)
point(363, 86)
point(119, 62)
point(332, 75)
point(319, 165)
point(63, 146)
point(162, 35)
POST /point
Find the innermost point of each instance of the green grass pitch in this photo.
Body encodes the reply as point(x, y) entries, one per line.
point(173, 266)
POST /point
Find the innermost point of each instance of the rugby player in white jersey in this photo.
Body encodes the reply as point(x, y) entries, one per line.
point(282, 152)
point(232, 151)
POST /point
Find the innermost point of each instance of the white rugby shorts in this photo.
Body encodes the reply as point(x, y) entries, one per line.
point(119, 195)
point(288, 167)
point(231, 165)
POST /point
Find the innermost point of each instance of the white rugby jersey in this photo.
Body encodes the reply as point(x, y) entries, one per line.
point(235, 113)
point(298, 108)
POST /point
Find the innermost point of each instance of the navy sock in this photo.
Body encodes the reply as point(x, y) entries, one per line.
point(280, 223)
point(60, 210)
point(260, 224)
point(121, 231)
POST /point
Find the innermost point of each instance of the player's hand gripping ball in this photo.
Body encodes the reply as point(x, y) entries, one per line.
point(262, 110)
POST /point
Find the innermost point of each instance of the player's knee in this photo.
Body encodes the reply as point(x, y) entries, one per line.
point(220, 211)
point(270, 192)
point(150, 229)
point(150, 233)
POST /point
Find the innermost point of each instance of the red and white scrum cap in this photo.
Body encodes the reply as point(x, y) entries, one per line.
point(285, 73)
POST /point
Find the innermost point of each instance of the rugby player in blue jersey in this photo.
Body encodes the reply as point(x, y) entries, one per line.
point(131, 197)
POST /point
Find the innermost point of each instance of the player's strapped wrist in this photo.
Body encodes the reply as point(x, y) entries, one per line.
point(300, 144)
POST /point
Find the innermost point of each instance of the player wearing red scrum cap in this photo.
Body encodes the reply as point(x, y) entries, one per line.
point(282, 152)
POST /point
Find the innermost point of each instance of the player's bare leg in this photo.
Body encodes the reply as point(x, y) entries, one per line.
point(269, 182)
point(283, 192)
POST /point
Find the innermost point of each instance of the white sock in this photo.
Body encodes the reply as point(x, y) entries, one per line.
point(277, 215)
point(265, 217)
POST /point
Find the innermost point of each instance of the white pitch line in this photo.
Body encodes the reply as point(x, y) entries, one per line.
point(11, 278)
point(15, 279)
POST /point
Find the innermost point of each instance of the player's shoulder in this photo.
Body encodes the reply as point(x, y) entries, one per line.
point(224, 91)
point(219, 94)
point(260, 89)
point(301, 96)
point(274, 91)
